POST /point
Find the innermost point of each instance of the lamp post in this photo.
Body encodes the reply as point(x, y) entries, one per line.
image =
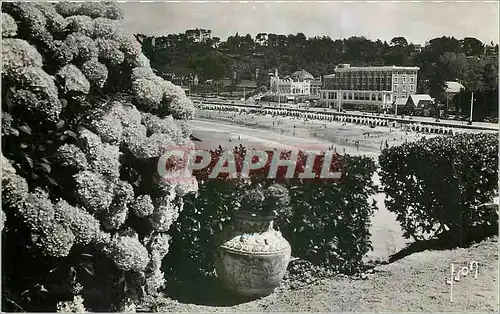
point(279, 92)
point(396, 108)
point(340, 98)
point(471, 107)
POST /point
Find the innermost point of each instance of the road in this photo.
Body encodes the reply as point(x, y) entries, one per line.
point(428, 120)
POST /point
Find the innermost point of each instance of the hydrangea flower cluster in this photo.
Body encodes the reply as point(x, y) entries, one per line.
point(52, 52)
point(9, 26)
point(74, 306)
point(158, 96)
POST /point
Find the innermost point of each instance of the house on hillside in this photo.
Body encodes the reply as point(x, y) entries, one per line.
point(420, 104)
point(450, 90)
point(224, 82)
point(247, 84)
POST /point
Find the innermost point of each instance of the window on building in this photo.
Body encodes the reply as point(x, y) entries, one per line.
point(379, 97)
point(404, 88)
point(404, 79)
point(373, 97)
point(344, 96)
point(411, 88)
point(395, 79)
point(412, 79)
point(350, 96)
point(395, 87)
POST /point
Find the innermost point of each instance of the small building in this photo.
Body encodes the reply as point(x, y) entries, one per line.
point(452, 87)
point(248, 84)
point(420, 104)
point(224, 82)
point(450, 90)
point(420, 101)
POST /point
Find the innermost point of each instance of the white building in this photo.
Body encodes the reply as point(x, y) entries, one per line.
point(361, 87)
point(297, 84)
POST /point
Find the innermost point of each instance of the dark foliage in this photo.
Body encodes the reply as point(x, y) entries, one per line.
point(436, 185)
point(327, 222)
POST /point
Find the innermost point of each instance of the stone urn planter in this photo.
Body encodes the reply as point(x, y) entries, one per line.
point(251, 256)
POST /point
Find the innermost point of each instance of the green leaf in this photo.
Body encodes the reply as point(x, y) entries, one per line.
point(44, 166)
point(25, 129)
point(28, 160)
point(51, 181)
point(13, 131)
point(60, 124)
point(70, 134)
point(89, 269)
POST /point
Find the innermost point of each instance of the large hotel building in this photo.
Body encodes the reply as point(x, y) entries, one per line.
point(361, 87)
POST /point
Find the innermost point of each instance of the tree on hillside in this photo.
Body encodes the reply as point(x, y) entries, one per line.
point(443, 58)
point(399, 42)
point(261, 39)
point(471, 46)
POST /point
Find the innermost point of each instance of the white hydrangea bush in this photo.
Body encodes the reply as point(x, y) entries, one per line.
point(9, 26)
point(73, 74)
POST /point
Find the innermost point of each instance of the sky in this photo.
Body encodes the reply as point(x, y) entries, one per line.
point(418, 22)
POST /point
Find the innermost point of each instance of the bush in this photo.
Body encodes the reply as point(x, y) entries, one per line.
point(75, 153)
point(327, 223)
point(435, 185)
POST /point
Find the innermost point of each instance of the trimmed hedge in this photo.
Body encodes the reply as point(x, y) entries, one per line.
point(436, 185)
point(327, 224)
